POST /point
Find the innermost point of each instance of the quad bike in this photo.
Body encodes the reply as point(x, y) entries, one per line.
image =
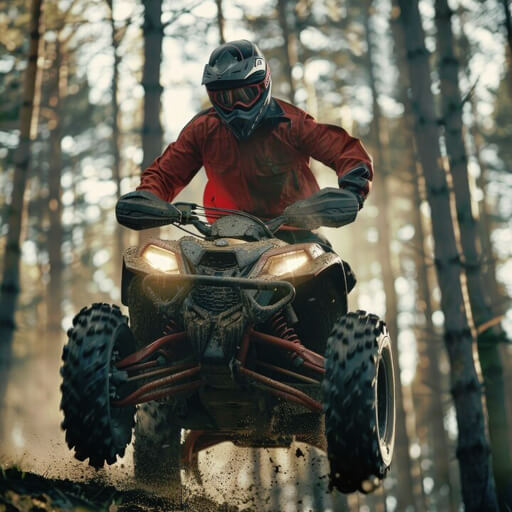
point(225, 343)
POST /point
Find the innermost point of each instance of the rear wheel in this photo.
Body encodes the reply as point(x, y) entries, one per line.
point(359, 403)
point(100, 336)
point(157, 447)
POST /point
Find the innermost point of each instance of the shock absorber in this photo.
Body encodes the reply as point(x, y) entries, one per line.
point(281, 329)
point(170, 328)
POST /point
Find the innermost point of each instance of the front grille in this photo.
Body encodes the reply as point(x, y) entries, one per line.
point(216, 299)
point(218, 261)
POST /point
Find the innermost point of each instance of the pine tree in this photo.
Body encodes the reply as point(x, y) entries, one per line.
point(16, 211)
point(473, 450)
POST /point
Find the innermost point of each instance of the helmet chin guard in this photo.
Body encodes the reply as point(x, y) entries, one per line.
point(237, 78)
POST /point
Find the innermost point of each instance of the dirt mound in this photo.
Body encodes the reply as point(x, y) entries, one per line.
point(29, 492)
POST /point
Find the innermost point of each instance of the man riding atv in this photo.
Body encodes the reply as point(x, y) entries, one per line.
point(228, 329)
point(256, 149)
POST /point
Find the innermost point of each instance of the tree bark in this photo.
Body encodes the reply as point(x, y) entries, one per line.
point(116, 131)
point(485, 225)
point(407, 485)
point(54, 239)
point(288, 44)
point(428, 374)
point(488, 339)
point(152, 132)
point(220, 21)
point(16, 210)
point(508, 30)
point(477, 481)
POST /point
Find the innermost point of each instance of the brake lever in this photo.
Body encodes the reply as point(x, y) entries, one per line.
point(274, 224)
point(187, 212)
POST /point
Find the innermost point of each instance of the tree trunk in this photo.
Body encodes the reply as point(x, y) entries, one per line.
point(16, 210)
point(477, 481)
point(220, 21)
point(488, 339)
point(289, 50)
point(429, 377)
point(485, 225)
point(508, 30)
point(54, 239)
point(406, 486)
point(152, 132)
point(116, 153)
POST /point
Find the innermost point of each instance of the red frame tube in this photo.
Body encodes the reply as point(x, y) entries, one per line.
point(159, 371)
point(189, 386)
point(132, 398)
point(289, 392)
point(148, 391)
point(295, 375)
point(150, 349)
point(314, 360)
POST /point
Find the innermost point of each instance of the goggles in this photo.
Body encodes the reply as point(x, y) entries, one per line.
point(245, 97)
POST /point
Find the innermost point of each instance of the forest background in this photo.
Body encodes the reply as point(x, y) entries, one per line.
point(93, 90)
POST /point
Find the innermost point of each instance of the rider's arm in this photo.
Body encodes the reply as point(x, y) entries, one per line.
point(176, 167)
point(334, 147)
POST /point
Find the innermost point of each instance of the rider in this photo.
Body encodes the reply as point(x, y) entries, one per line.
point(255, 148)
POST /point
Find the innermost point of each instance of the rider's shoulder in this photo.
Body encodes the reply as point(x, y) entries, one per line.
point(206, 116)
point(291, 111)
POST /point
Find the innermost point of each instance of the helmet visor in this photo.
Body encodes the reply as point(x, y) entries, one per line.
point(244, 97)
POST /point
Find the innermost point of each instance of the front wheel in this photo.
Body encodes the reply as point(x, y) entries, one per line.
point(100, 336)
point(359, 402)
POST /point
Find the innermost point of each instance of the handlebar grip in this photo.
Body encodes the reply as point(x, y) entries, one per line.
point(143, 210)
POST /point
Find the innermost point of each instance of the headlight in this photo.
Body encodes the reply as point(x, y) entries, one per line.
point(286, 263)
point(161, 259)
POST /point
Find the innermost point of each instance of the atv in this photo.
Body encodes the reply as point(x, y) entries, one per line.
point(226, 342)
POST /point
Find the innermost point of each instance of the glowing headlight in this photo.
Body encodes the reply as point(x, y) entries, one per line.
point(286, 263)
point(161, 259)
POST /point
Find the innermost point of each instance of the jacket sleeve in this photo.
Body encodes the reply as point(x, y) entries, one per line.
point(176, 167)
point(334, 147)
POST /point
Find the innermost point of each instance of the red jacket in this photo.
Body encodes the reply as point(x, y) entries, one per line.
point(261, 175)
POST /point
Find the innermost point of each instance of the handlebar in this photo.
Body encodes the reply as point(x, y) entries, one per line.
point(328, 207)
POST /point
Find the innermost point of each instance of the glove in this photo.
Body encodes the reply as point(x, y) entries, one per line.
point(331, 207)
point(358, 182)
point(143, 210)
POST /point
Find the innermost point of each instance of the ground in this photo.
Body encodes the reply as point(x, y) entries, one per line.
point(29, 492)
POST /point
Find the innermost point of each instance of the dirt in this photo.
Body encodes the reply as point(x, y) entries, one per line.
point(29, 492)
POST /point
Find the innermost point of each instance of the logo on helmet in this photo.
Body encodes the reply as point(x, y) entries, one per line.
point(266, 80)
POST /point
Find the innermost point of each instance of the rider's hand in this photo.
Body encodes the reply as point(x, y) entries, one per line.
point(142, 210)
point(331, 207)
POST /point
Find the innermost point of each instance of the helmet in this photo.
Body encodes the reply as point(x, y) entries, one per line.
point(238, 82)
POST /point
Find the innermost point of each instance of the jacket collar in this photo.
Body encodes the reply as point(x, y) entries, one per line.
point(275, 111)
point(274, 115)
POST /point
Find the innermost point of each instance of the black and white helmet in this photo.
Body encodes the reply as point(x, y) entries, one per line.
point(237, 78)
